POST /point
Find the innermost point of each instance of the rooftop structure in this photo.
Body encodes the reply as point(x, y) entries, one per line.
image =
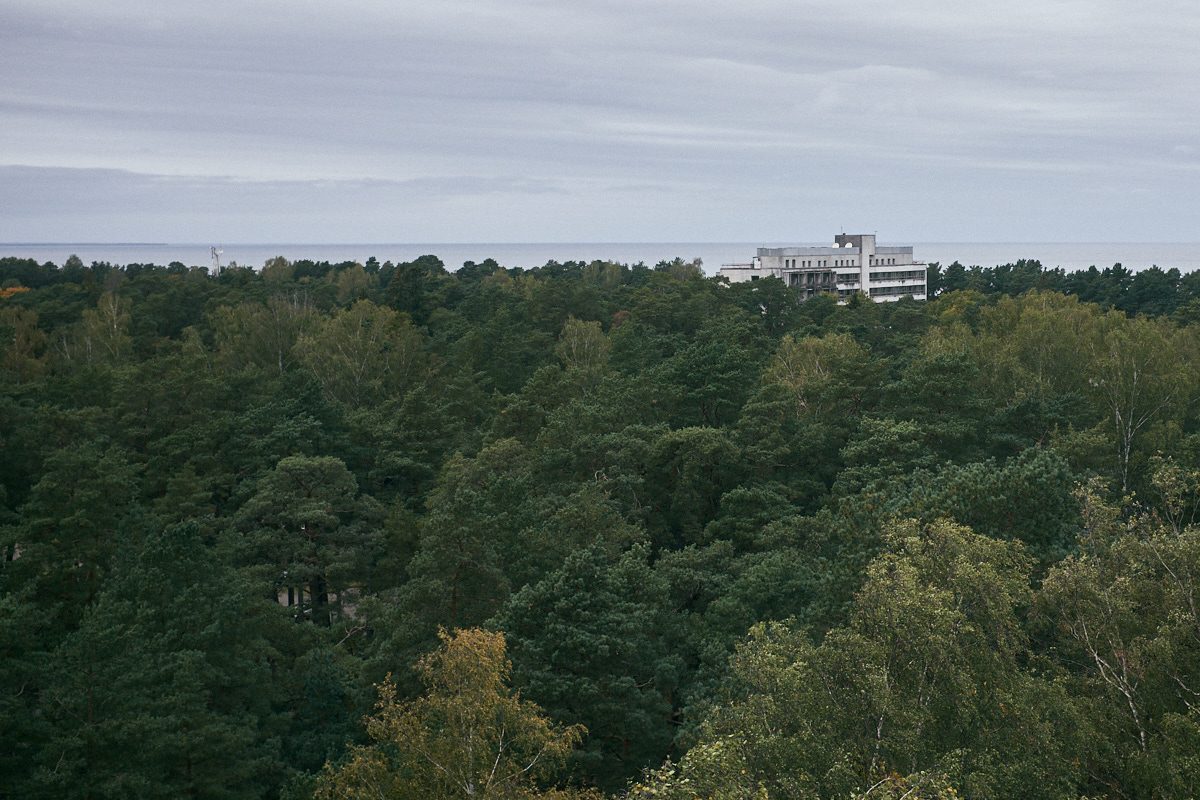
point(853, 264)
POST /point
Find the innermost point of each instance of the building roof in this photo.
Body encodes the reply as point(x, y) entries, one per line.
point(826, 251)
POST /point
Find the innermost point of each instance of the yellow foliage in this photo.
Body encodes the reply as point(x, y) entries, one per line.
point(468, 736)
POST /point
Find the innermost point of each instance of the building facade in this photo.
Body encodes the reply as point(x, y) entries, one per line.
point(853, 264)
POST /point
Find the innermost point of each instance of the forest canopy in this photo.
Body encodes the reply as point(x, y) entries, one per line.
point(592, 529)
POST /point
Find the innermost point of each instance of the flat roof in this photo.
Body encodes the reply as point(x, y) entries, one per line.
point(805, 251)
point(827, 251)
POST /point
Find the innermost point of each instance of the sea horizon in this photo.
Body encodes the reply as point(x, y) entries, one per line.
point(1183, 255)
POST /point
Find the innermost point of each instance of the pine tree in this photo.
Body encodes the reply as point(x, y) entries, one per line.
point(165, 688)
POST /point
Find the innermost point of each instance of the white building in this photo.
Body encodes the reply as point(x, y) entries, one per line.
point(853, 264)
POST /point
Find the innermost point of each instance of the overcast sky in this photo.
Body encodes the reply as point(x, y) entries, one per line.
point(599, 120)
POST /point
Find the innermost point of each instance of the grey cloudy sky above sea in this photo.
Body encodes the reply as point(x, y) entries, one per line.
point(599, 120)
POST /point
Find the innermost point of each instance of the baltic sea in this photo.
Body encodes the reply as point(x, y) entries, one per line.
point(1184, 256)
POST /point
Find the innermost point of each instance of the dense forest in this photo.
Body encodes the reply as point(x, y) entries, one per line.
point(596, 530)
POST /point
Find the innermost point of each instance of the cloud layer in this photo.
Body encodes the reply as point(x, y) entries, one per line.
point(599, 120)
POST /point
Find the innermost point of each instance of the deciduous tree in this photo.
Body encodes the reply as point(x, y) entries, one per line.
point(468, 735)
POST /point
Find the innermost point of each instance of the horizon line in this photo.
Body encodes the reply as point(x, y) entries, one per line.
point(607, 242)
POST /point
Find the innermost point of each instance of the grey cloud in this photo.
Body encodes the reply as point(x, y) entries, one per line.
point(782, 108)
point(36, 189)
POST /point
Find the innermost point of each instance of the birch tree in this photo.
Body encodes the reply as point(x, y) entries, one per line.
point(364, 354)
point(1140, 368)
point(468, 736)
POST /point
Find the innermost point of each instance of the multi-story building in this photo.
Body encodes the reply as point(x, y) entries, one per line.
point(853, 264)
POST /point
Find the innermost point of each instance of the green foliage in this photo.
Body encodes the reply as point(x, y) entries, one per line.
point(713, 374)
point(1030, 498)
point(262, 335)
point(1123, 619)
point(582, 348)
point(364, 354)
point(926, 676)
point(936, 392)
point(693, 467)
point(24, 355)
point(591, 644)
point(882, 450)
point(623, 469)
point(307, 537)
point(67, 537)
point(164, 690)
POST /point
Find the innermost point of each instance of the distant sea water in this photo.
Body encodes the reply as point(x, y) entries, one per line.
point(1184, 256)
